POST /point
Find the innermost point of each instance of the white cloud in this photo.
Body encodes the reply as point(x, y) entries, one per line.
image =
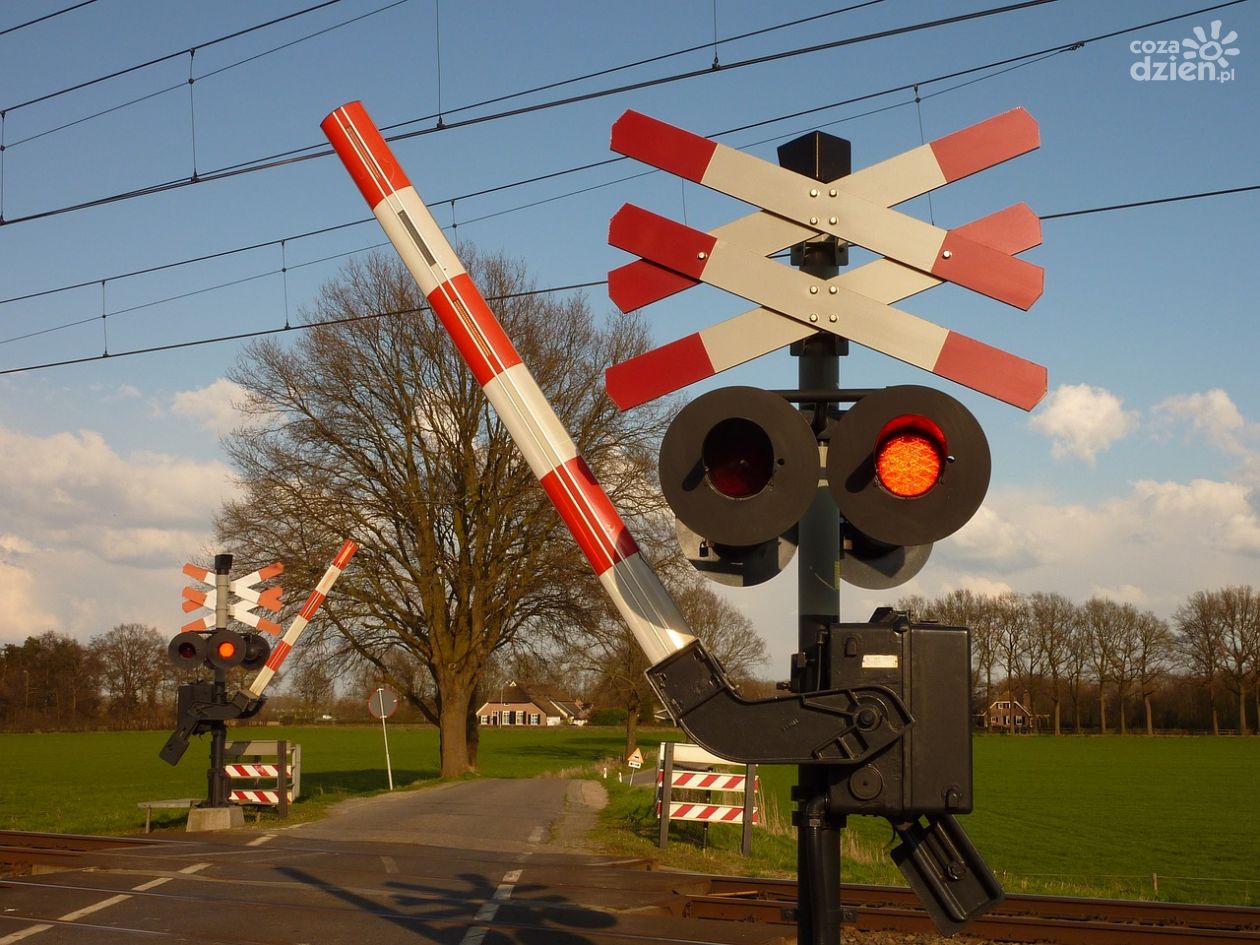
point(213, 407)
point(91, 534)
point(24, 613)
point(1152, 546)
point(1212, 415)
point(1083, 421)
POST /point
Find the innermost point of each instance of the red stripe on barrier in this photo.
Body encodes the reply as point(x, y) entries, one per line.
point(278, 655)
point(344, 555)
point(659, 371)
point(1003, 375)
point(364, 152)
point(661, 240)
point(985, 144)
point(662, 145)
point(988, 271)
point(589, 514)
point(474, 329)
point(1012, 230)
point(311, 605)
point(641, 283)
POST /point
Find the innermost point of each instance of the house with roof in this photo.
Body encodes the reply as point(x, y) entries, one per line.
point(1006, 714)
point(515, 706)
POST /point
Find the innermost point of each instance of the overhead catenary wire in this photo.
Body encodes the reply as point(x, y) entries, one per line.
point(313, 151)
point(261, 333)
point(1004, 66)
point(46, 16)
point(167, 57)
point(205, 75)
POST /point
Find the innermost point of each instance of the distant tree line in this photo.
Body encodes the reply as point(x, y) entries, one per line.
point(118, 679)
point(1104, 666)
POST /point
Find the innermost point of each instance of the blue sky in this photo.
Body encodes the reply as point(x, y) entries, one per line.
point(1136, 478)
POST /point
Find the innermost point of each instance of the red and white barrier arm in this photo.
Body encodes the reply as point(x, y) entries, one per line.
point(585, 508)
point(303, 618)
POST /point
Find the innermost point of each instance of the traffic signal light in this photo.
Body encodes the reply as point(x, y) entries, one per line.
point(739, 466)
point(219, 649)
point(906, 466)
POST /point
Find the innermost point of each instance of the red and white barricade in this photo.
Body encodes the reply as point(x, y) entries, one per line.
point(690, 770)
point(265, 773)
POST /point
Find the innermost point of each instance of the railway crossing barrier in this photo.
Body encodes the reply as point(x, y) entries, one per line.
point(263, 773)
point(690, 770)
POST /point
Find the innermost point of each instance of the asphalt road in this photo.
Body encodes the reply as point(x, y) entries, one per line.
point(479, 862)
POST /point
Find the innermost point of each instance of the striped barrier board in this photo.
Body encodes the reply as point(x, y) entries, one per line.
point(629, 580)
point(264, 772)
point(258, 797)
point(251, 771)
point(704, 780)
point(709, 813)
point(692, 781)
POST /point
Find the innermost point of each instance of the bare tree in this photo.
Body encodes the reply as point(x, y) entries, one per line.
point(1155, 646)
point(372, 428)
point(1239, 610)
point(133, 665)
point(1124, 657)
point(1054, 619)
point(1012, 622)
point(1101, 618)
point(1201, 641)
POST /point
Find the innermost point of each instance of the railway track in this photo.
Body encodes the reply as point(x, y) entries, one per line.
point(20, 849)
point(742, 904)
point(1064, 920)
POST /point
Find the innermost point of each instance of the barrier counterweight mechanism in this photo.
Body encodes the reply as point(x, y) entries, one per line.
point(875, 715)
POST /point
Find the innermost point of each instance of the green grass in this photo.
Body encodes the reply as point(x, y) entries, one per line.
point(1065, 816)
point(1083, 816)
point(91, 782)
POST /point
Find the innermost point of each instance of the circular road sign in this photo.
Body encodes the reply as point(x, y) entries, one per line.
point(383, 703)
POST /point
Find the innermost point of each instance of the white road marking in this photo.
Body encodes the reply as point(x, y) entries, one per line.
point(490, 908)
point(97, 906)
point(259, 841)
point(389, 864)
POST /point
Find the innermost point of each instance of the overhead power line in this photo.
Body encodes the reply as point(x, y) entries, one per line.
point(1004, 65)
point(87, 83)
point(46, 16)
point(316, 151)
point(262, 333)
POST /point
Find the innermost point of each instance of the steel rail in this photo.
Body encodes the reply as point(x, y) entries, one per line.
point(1021, 918)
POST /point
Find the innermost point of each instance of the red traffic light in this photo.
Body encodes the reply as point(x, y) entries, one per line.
point(227, 649)
point(187, 650)
point(907, 465)
point(910, 456)
point(739, 466)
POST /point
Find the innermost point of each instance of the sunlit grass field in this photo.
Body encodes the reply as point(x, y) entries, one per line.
point(1091, 816)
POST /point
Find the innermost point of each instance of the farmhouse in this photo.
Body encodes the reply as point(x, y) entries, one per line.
point(515, 706)
point(1000, 712)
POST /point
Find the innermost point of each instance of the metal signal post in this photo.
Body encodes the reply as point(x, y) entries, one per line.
point(819, 554)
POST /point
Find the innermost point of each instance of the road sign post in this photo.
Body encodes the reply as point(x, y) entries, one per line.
point(382, 704)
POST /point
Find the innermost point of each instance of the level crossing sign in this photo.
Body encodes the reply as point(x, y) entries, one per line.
point(636, 759)
point(857, 304)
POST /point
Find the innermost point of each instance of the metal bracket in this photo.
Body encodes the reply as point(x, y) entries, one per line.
point(836, 727)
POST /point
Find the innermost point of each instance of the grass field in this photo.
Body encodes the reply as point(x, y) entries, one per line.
point(91, 782)
point(1091, 816)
